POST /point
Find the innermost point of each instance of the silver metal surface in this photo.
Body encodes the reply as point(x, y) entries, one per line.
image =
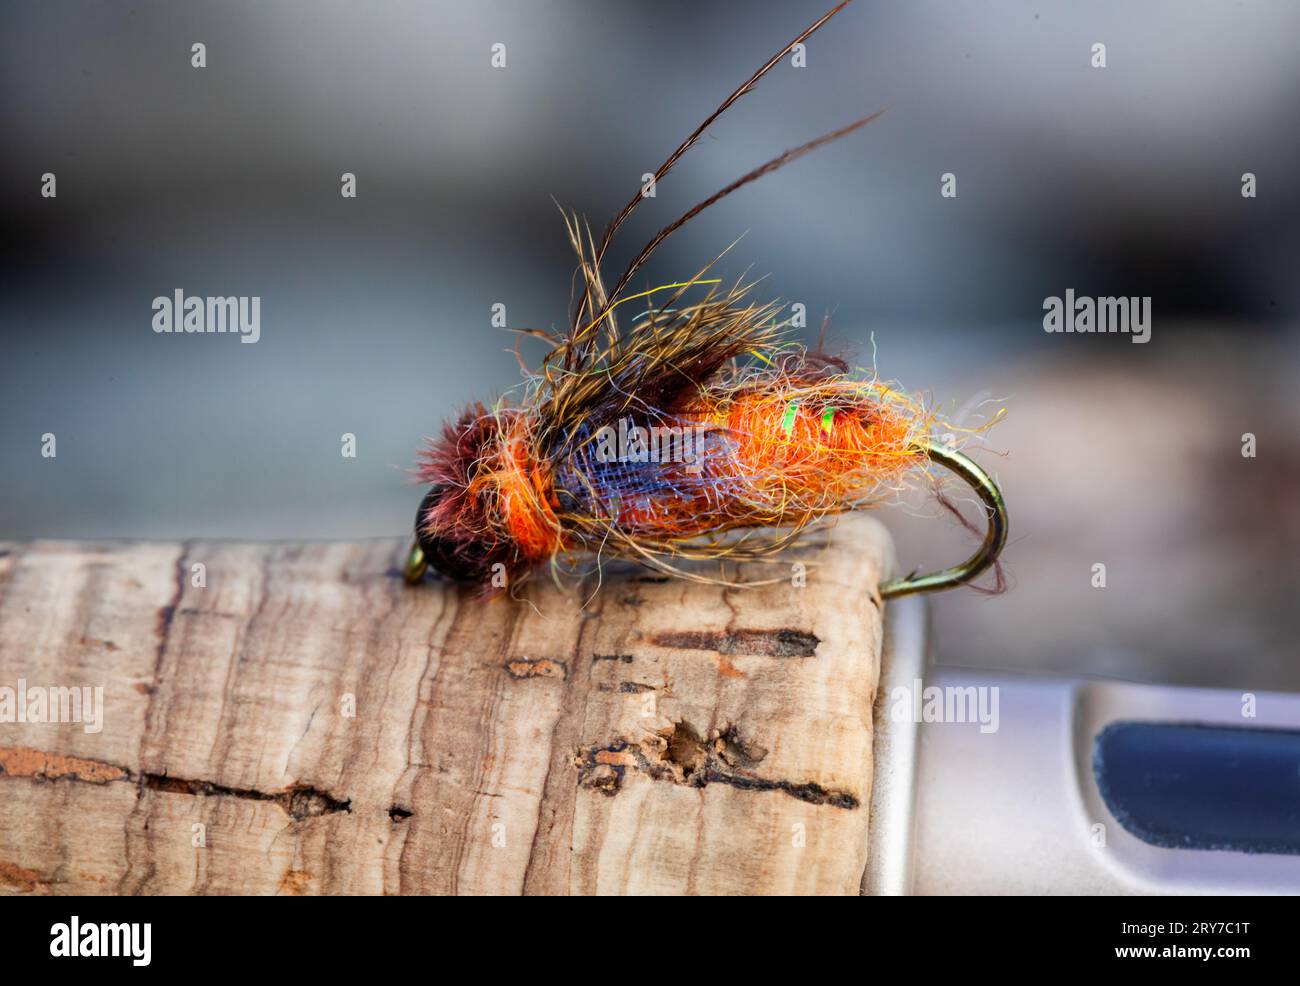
point(905, 653)
point(1017, 811)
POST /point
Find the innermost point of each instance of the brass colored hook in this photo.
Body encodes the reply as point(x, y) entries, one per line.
point(978, 480)
point(417, 559)
point(416, 564)
point(994, 541)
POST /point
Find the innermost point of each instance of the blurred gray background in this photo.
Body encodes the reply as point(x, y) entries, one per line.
point(375, 310)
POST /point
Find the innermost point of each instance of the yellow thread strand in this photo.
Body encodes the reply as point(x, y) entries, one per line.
point(632, 297)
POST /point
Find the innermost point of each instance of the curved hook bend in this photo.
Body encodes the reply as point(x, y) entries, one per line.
point(994, 540)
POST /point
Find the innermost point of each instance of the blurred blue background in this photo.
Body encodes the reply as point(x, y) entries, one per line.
point(375, 310)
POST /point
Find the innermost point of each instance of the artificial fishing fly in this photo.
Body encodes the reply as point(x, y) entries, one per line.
point(701, 430)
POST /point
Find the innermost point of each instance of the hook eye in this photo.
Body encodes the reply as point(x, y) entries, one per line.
point(416, 564)
point(417, 559)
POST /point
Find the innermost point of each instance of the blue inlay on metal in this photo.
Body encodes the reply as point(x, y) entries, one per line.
point(1188, 786)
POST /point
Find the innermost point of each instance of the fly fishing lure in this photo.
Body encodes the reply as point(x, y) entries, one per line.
point(701, 430)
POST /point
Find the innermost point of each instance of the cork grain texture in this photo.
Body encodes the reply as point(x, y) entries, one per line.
point(296, 720)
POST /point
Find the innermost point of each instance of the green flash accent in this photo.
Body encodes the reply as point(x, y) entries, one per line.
point(828, 419)
point(787, 423)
